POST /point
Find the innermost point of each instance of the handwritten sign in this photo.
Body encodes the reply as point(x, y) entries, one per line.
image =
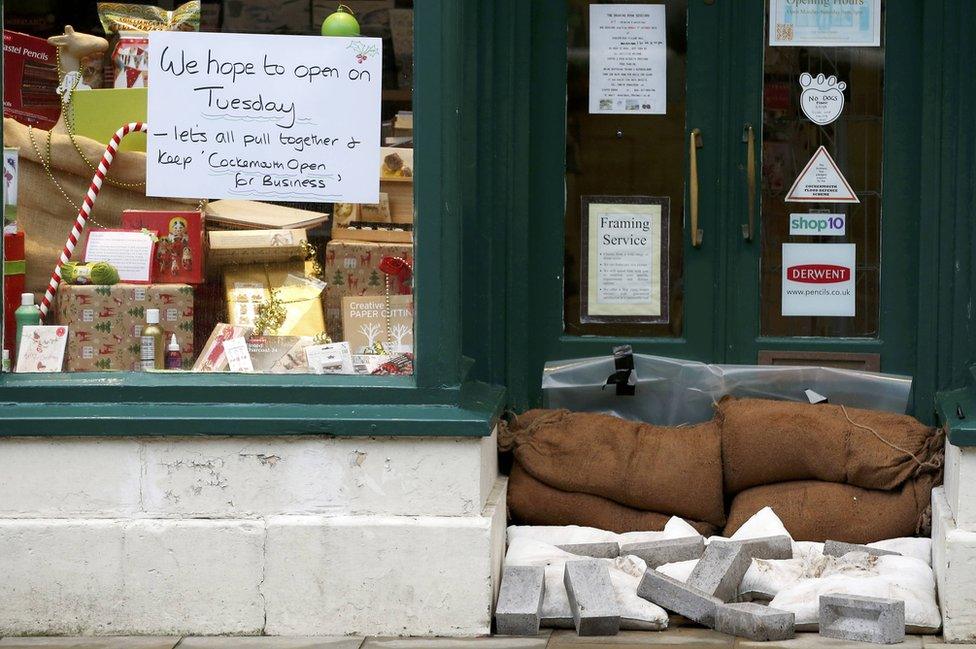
point(264, 117)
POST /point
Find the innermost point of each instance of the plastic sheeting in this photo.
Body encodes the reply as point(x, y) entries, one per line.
point(671, 391)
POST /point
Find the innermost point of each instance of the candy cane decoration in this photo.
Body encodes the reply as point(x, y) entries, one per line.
point(86, 207)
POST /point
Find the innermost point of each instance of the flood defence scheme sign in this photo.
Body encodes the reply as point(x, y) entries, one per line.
point(818, 279)
point(821, 181)
point(264, 117)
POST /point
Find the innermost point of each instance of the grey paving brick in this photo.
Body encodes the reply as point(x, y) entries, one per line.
point(658, 553)
point(144, 642)
point(839, 549)
point(591, 598)
point(608, 550)
point(767, 547)
point(755, 622)
point(270, 642)
point(678, 597)
point(720, 570)
point(519, 607)
point(865, 619)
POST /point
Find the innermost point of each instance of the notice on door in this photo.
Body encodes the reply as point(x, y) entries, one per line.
point(624, 259)
point(818, 279)
point(264, 117)
point(628, 59)
point(825, 23)
point(821, 181)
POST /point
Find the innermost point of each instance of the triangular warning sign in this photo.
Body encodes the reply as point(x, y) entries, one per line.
point(821, 182)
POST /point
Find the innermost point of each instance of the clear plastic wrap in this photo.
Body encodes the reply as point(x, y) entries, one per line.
point(671, 391)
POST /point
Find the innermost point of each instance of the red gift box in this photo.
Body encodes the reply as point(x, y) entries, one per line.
point(179, 252)
point(14, 278)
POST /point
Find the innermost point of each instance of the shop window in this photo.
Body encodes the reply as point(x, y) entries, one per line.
point(173, 282)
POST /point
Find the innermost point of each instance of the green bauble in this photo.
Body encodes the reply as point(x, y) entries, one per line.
point(341, 23)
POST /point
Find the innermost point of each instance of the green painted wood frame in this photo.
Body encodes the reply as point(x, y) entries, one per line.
point(438, 400)
point(938, 335)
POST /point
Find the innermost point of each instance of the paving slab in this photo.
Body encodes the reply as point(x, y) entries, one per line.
point(604, 550)
point(816, 641)
point(591, 598)
point(684, 638)
point(658, 553)
point(937, 641)
point(519, 607)
point(748, 620)
point(147, 642)
point(720, 570)
point(270, 642)
point(764, 547)
point(678, 597)
point(869, 619)
point(539, 642)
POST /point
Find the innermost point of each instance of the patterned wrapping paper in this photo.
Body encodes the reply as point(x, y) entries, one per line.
point(352, 269)
point(105, 322)
point(248, 287)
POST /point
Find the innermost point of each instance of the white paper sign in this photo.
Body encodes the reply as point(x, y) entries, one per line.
point(825, 23)
point(238, 356)
point(334, 358)
point(131, 252)
point(822, 98)
point(818, 225)
point(628, 59)
point(821, 182)
point(818, 279)
point(264, 117)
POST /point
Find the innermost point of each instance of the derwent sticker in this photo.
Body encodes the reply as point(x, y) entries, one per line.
point(822, 98)
point(818, 225)
point(821, 182)
point(818, 279)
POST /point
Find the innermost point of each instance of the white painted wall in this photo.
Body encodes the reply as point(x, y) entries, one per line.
point(276, 535)
point(954, 561)
point(960, 485)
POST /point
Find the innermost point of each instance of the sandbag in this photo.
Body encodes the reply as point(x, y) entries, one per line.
point(531, 502)
point(817, 511)
point(671, 470)
point(766, 442)
point(46, 217)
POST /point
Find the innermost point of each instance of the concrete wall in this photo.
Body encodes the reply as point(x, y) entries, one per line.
point(290, 535)
point(954, 544)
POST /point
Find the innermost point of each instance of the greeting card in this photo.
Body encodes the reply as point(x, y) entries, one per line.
point(41, 348)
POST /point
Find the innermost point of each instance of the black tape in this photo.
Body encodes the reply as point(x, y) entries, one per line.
point(624, 377)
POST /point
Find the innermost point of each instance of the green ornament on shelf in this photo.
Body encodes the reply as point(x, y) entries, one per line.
point(340, 23)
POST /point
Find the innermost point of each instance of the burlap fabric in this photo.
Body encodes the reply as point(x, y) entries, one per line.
point(668, 470)
point(767, 442)
point(531, 502)
point(817, 511)
point(46, 217)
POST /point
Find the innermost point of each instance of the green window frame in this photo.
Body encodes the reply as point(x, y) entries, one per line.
point(437, 400)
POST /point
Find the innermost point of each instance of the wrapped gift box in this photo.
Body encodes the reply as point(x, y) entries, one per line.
point(353, 268)
point(255, 246)
point(105, 322)
point(248, 287)
point(14, 268)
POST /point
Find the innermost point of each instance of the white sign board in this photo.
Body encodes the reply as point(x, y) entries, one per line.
point(821, 181)
point(628, 59)
point(264, 117)
point(825, 23)
point(822, 98)
point(818, 225)
point(818, 279)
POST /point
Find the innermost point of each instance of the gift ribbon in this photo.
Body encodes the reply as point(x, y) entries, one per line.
point(15, 267)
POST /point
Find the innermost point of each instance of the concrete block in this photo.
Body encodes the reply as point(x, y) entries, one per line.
point(73, 477)
point(839, 549)
point(265, 476)
point(755, 622)
point(192, 576)
point(960, 485)
point(720, 570)
point(658, 553)
point(954, 562)
point(519, 607)
point(591, 598)
point(678, 597)
point(862, 619)
point(767, 547)
point(383, 575)
point(608, 550)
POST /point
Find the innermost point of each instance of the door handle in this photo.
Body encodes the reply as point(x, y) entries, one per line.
point(749, 137)
point(694, 143)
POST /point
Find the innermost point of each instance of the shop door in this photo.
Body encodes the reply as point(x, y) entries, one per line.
point(665, 140)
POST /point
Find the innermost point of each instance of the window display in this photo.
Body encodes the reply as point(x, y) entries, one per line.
point(299, 258)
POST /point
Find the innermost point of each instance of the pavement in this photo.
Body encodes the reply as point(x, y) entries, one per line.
point(683, 638)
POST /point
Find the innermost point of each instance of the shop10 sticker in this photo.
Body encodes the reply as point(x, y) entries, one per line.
point(818, 225)
point(822, 98)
